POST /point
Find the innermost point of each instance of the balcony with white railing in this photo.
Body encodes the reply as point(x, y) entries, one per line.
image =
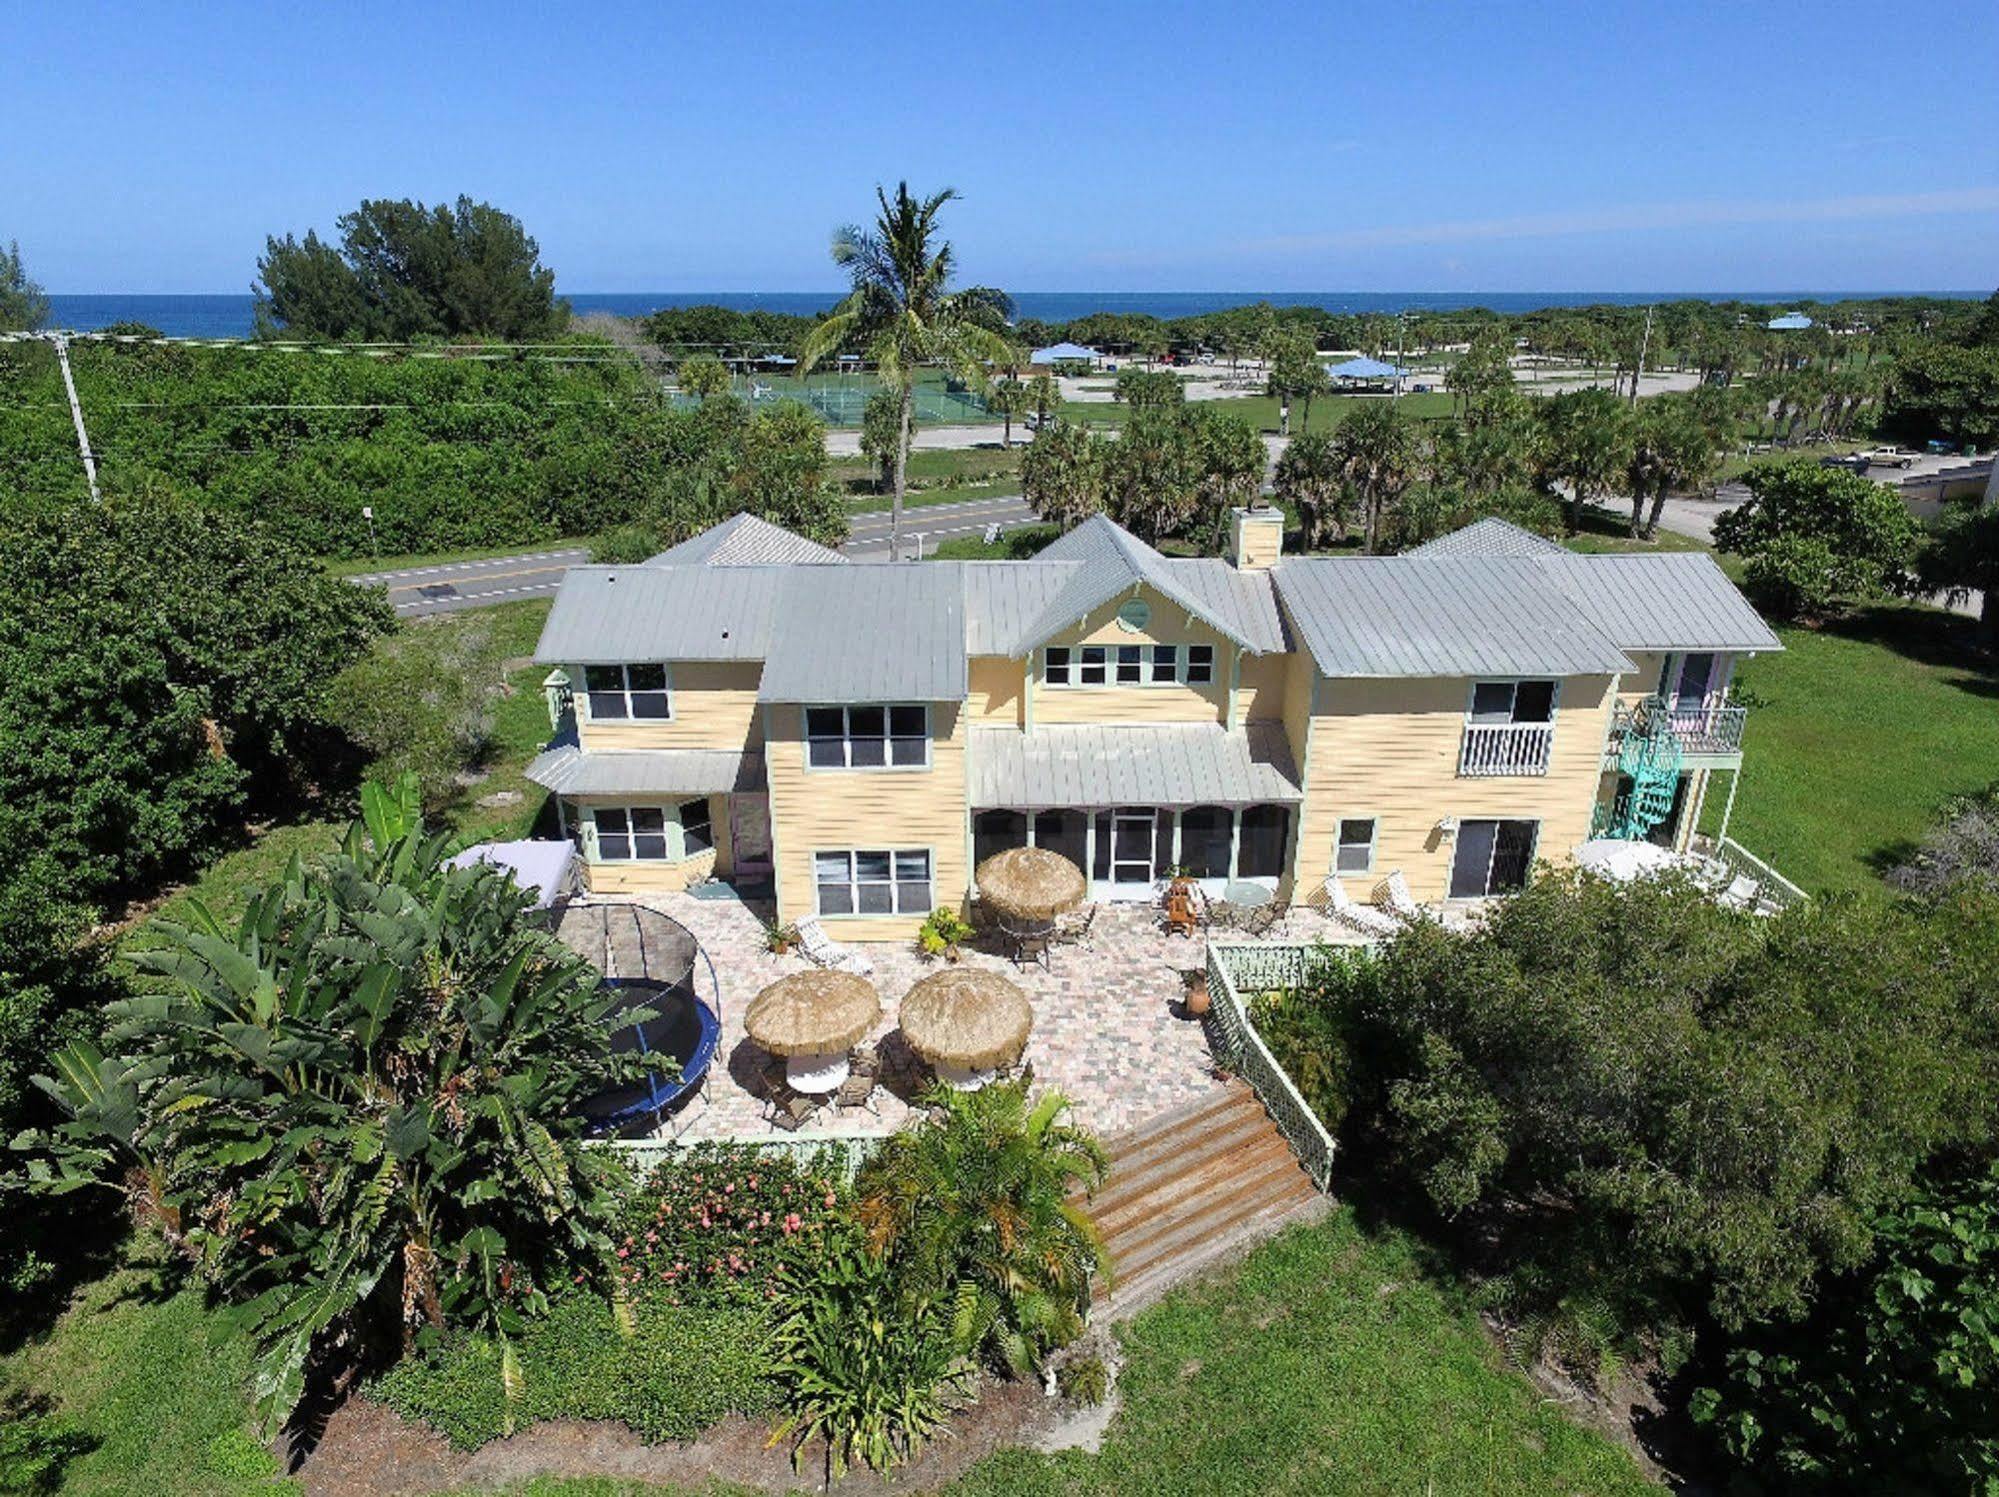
point(1701, 731)
point(1492, 749)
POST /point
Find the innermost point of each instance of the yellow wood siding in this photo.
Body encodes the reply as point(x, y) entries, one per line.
point(993, 694)
point(1169, 625)
point(1260, 688)
point(656, 877)
point(1389, 750)
point(829, 810)
point(714, 707)
point(1257, 540)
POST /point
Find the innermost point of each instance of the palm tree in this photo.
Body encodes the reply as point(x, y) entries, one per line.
point(903, 313)
point(1006, 399)
point(1588, 435)
point(1671, 448)
point(976, 1206)
point(1309, 480)
point(1376, 449)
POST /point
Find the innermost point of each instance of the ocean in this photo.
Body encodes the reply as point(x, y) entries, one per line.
point(230, 316)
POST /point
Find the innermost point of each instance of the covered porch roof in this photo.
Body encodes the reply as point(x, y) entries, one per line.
point(564, 769)
point(1099, 765)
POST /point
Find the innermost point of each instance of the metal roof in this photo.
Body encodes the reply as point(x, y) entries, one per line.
point(746, 541)
point(567, 770)
point(1003, 599)
point(1490, 537)
point(1094, 765)
point(1114, 562)
point(1441, 616)
point(1672, 601)
point(656, 612)
point(868, 634)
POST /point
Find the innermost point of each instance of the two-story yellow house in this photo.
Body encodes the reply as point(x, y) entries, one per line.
point(858, 738)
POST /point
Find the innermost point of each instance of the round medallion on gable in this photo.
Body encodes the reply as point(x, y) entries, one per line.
point(1134, 616)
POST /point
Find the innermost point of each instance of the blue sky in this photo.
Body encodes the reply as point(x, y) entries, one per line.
point(1748, 146)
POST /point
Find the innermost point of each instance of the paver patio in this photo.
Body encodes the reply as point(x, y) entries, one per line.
point(1107, 1031)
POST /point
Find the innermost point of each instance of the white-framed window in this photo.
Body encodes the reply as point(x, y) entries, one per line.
point(1355, 850)
point(895, 737)
point(1127, 665)
point(1498, 703)
point(653, 834)
point(617, 693)
point(868, 882)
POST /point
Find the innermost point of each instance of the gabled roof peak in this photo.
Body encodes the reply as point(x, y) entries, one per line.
point(745, 540)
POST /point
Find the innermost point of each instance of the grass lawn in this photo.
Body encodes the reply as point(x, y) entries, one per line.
point(149, 1374)
point(1329, 1363)
point(1015, 544)
point(1608, 531)
point(355, 566)
point(935, 477)
point(1857, 734)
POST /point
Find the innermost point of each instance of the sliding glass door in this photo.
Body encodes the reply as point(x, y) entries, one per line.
point(1493, 857)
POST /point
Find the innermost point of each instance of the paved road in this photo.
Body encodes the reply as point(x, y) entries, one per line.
point(868, 540)
point(473, 584)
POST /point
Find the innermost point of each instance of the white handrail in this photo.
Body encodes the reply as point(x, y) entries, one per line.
point(1239, 1043)
point(1506, 748)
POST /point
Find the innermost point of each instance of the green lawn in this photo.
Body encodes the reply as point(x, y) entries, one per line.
point(148, 1373)
point(1857, 734)
point(355, 566)
point(936, 477)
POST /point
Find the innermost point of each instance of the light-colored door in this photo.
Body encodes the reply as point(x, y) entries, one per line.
point(1131, 854)
point(749, 835)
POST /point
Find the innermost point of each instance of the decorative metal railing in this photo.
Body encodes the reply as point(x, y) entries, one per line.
point(1772, 887)
point(1232, 971)
point(1697, 730)
point(1505, 749)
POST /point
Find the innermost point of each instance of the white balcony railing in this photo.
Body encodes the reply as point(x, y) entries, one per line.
point(1506, 748)
point(1708, 730)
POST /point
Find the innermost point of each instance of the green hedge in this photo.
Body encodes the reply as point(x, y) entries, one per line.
point(680, 1371)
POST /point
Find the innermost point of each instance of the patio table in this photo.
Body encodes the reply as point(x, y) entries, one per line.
point(1250, 896)
point(962, 1080)
point(816, 1075)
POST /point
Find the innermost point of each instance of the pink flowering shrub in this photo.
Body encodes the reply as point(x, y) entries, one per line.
point(727, 1222)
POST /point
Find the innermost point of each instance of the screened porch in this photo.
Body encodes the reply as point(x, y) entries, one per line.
point(1127, 850)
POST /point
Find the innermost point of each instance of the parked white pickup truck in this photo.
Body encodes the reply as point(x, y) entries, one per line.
point(1888, 457)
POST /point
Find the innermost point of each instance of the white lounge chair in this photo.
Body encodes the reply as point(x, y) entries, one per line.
point(823, 951)
point(1394, 895)
point(1362, 919)
point(1743, 893)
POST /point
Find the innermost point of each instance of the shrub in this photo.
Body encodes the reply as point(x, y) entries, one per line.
point(675, 1373)
point(1086, 1380)
point(942, 931)
point(727, 1222)
point(1640, 1111)
point(34, 1448)
point(420, 702)
point(1963, 848)
point(1891, 1381)
point(1814, 536)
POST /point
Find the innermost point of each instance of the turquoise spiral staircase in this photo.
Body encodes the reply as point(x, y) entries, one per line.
point(1648, 754)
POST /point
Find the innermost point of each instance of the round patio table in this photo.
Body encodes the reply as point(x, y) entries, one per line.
point(1249, 896)
point(816, 1075)
point(961, 1080)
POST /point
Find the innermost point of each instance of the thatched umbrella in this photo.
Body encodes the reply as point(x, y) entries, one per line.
point(965, 1020)
point(1031, 883)
point(813, 1019)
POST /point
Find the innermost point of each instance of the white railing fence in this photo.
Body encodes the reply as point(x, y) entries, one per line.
point(1708, 730)
point(1773, 886)
point(1232, 971)
point(1506, 748)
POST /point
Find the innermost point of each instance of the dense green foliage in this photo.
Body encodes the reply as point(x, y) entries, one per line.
point(1814, 537)
point(403, 271)
point(667, 1372)
point(1637, 1112)
point(1961, 556)
point(472, 448)
point(1891, 1382)
point(23, 304)
point(1940, 390)
point(974, 1208)
point(1171, 471)
point(420, 702)
point(358, 1110)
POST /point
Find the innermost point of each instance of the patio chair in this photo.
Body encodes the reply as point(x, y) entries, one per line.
point(1394, 895)
point(793, 1110)
point(823, 951)
point(1743, 893)
point(864, 1069)
point(1362, 919)
point(1260, 920)
point(1074, 928)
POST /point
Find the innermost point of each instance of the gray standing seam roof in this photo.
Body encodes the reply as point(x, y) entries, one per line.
point(1441, 616)
point(1676, 601)
point(746, 541)
point(1095, 765)
point(1113, 562)
point(662, 613)
point(868, 634)
point(1491, 536)
point(564, 769)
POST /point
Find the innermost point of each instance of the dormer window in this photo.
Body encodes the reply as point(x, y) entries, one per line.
point(622, 692)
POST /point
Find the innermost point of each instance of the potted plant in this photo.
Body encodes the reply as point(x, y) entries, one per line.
point(779, 938)
point(1195, 997)
point(942, 934)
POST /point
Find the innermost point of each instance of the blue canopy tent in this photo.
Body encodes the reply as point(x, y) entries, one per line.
point(1790, 322)
point(1364, 368)
point(1063, 353)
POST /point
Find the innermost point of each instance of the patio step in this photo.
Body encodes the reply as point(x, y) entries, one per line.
point(1190, 1187)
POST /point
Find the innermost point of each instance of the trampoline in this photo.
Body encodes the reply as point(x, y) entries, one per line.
point(650, 960)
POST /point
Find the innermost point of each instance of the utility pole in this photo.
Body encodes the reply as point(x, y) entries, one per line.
point(1401, 342)
point(76, 414)
point(1644, 344)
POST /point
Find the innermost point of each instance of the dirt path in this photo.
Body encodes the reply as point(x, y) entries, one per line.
point(368, 1451)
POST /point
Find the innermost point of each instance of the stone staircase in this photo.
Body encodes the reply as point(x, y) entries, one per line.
point(1191, 1187)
